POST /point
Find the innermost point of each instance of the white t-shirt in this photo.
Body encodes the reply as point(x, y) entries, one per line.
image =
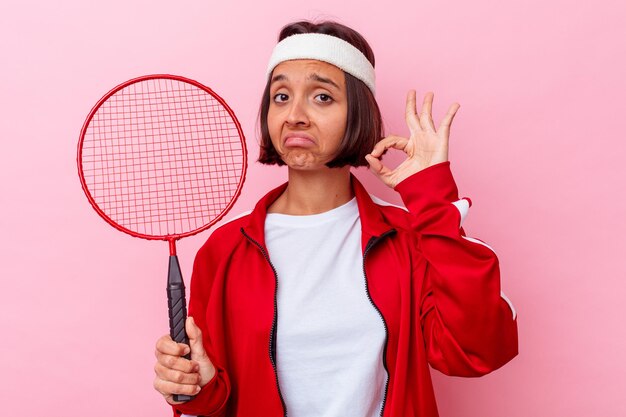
point(330, 337)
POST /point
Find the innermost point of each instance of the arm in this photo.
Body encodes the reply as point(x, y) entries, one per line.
point(469, 329)
point(469, 326)
point(211, 400)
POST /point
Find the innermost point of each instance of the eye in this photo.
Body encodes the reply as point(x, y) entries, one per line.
point(324, 98)
point(280, 97)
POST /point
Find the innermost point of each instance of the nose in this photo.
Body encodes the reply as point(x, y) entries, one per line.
point(297, 114)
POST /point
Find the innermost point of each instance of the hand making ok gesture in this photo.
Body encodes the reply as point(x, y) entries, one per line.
point(425, 147)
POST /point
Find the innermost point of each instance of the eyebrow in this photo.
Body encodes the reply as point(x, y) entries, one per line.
point(314, 77)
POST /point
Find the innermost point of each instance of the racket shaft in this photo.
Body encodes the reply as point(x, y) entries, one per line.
point(177, 310)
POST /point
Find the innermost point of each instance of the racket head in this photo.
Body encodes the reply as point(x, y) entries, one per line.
point(161, 157)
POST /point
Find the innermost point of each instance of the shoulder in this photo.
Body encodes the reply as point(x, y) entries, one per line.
point(394, 214)
point(226, 235)
point(387, 206)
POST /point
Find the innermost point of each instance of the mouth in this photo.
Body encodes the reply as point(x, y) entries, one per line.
point(298, 140)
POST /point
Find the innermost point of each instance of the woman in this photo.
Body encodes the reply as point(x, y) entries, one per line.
point(325, 301)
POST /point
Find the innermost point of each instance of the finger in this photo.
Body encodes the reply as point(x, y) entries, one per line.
point(168, 388)
point(392, 141)
point(195, 339)
point(426, 117)
point(167, 346)
point(179, 377)
point(198, 353)
point(177, 363)
point(412, 120)
point(376, 166)
point(444, 126)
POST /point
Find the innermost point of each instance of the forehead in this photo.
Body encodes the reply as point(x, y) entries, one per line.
point(303, 68)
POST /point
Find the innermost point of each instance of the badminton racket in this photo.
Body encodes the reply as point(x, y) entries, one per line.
point(162, 157)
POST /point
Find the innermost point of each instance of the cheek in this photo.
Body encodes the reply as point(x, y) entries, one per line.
point(273, 126)
point(339, 127)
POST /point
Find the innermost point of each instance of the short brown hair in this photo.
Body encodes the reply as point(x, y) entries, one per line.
point(364, 125)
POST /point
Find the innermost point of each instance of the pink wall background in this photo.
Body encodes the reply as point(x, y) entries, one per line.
point(538, 144)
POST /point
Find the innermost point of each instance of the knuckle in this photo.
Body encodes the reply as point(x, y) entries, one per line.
point(171, 387)
point(175, 388)
point(157, 384)
point(170, 361)
point(178, 377)
point(163, 340)
point(164, 345)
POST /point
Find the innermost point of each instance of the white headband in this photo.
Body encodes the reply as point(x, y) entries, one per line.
point(325, 48)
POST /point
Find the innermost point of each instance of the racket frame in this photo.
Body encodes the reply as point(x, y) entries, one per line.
point(171, 238)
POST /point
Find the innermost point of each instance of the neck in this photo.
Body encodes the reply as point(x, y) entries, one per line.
point(313, 192)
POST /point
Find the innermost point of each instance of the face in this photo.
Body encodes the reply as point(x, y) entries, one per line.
point(307, 113)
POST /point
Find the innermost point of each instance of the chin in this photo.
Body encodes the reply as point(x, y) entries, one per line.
point(304, 166)
point(304, 161)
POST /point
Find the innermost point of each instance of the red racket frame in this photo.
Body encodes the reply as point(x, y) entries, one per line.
point(174, 237)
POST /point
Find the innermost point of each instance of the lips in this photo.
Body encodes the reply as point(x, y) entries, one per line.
point(298, 140)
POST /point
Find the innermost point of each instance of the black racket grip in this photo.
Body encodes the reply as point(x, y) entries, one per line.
point(177, 311)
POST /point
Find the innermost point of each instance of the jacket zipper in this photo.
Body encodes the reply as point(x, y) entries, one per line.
point(370, 244)
point(274, 321)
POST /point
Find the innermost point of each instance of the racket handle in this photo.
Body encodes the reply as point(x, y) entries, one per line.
point(177, 310)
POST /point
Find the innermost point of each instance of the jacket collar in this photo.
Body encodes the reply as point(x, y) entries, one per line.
point(372, 222)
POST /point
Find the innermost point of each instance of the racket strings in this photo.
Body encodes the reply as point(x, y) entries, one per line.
point(162, 157)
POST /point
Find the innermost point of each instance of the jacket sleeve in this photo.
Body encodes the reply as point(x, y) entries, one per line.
point(469, 326)
point(212, 398)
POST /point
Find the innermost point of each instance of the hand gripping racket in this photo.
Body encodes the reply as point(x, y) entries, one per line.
point(162, 157)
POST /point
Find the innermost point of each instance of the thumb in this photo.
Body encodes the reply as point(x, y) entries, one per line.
point(195, 339)
point(198, 354)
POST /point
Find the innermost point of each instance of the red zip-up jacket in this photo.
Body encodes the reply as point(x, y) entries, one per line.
point(436, 290)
